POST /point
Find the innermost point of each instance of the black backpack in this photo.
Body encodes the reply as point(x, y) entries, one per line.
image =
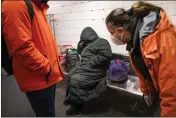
point(6, 62)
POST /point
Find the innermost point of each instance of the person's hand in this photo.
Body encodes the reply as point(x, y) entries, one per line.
point(47, 75)
point(148, 100)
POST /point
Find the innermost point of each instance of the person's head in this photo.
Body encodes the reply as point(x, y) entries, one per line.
point(119, 20)
point(88, 35)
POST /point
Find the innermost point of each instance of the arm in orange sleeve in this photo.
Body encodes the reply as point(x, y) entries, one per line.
point(167, 72)
point(17, 32)
point(142, 84)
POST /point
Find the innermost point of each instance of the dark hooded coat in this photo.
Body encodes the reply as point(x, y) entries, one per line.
point(86, 78)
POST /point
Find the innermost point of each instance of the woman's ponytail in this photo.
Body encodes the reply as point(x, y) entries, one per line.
point(143, 8)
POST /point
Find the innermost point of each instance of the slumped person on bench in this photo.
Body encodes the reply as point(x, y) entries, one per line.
point(87, 74)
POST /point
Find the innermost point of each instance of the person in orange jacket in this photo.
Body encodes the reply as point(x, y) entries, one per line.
point(34, 51)
point(150, 38)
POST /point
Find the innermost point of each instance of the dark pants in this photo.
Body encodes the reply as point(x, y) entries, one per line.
point(43, 101)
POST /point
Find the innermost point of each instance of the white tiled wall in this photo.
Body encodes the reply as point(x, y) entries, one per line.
point(69, 25)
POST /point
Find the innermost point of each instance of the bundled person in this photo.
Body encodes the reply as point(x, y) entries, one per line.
point(86, 79)
point(150, 38)
point(34, 52)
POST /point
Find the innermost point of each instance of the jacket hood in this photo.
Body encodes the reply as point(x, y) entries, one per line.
point(88, 34)
point(150, 23)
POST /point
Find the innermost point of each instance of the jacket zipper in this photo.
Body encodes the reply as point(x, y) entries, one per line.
point(54, 46)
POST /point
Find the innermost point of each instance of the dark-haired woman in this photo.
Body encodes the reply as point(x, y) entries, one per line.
point(151, 42)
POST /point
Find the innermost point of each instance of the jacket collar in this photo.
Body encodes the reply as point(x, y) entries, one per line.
point(165, 22)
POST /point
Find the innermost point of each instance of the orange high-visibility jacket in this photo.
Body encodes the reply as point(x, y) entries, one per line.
point(159, 51)
point(31, 44)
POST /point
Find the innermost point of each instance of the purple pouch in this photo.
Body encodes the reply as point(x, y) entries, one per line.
point(118, 70)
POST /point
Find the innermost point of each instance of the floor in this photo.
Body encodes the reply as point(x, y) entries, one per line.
point(110, 104)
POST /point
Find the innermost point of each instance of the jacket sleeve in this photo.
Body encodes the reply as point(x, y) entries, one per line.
point(167, 72)
point(142, 84)
point(103, 53)
point(17, 32)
